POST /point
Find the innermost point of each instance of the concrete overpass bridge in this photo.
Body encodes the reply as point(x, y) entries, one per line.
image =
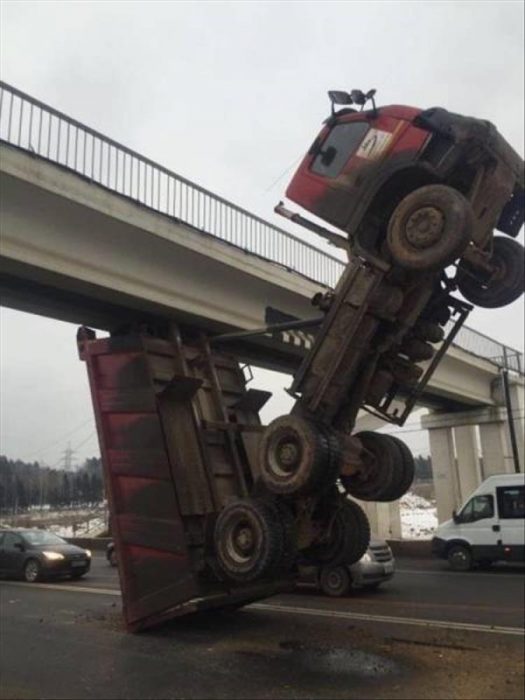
point(94, 233)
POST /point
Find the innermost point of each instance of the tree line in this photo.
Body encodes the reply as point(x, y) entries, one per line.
point(30, 485)
point(24, 485)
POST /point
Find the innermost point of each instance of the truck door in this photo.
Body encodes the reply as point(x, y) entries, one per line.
point(479, 525)
point(511, 507)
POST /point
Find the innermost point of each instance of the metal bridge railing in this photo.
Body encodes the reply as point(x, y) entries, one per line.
point(33, 126)
point(30, 124)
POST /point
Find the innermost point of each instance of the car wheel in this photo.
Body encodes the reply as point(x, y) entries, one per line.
point(460, 558)
point(32, 570)
point(335, 581)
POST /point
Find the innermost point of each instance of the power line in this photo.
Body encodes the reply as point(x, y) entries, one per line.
point(60, 439)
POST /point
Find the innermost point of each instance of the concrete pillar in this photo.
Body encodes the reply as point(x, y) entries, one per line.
point(517, 399)
point(469, 476)
point(495, 449)
point(384, 518)
point(444, 471)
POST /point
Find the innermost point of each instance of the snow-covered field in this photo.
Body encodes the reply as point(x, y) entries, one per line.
point(65, 522)
point(418, 517)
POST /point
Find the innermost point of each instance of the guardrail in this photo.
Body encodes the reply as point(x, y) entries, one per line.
point(33, 126)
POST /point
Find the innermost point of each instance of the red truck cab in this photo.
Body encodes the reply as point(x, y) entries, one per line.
point(390, 177)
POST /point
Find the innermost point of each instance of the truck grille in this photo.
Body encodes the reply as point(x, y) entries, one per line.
point(381, 553)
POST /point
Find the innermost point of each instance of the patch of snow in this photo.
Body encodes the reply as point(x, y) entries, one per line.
point(418, 517)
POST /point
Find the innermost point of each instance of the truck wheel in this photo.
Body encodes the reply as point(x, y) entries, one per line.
point(417, 350)
point(430, 228)
point(334, 581)
point(432, 332)
point(404, 469)
point(345, 535)
point(460, 558)
point(248, 540)
point(507, 283)
point(294, 456)
point(373, 483)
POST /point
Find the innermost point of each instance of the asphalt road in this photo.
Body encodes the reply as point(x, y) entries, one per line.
point(427, 633)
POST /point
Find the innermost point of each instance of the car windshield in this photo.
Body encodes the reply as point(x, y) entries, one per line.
point(37, 537)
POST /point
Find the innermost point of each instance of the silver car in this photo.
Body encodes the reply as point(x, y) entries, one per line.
point(374, 568)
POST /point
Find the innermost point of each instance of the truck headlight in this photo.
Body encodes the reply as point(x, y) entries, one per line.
point(53, 556)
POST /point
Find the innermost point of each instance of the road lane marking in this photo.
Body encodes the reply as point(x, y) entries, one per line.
point(312, 612)
point(456, 574)
point(316, 612)
point(65, 587)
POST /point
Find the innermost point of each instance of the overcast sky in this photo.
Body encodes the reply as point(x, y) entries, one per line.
point(230, 95)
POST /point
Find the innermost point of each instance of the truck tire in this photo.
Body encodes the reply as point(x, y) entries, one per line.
point(404, 469)
point(346, 536)
point(375, 482)
point(430, 228)
point(248, 540)
point(506, 285)
point(417, 350)
point(335, 581)
point(294, 456)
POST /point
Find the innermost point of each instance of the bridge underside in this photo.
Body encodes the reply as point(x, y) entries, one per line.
point(75, 251)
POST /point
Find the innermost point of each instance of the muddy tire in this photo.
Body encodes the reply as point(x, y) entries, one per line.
point(430, 228)
point(335, 581)
point(248, 540)
point(346, 536)
point(404, 470)
point(417, 350)
point(376, 481)
point(507, 283)
point(431, 332)
point(294, 456)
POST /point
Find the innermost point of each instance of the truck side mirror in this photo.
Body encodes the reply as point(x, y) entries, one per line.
point(455, 517)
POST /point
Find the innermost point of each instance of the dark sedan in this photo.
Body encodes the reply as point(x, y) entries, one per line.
point(36, 554)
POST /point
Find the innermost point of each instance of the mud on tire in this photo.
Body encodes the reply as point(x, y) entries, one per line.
point(294, 455)
point(430, 228)
point(248, 540)
point(347, 535)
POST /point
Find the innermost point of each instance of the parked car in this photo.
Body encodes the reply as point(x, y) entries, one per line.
point(374, 568)
point(489, 527)
point(36, 554)
point(111, 554)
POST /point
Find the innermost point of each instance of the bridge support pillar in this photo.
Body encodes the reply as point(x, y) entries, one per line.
point(384, 518)
point(455, 452)
point(444, 471)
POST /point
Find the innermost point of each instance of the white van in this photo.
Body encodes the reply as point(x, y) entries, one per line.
point(489, 527)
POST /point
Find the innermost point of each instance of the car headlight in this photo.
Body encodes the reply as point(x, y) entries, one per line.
point(366, 558)
point(88, 553)
point(53, 556)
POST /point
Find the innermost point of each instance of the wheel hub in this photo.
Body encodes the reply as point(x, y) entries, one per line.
point(244, 540)
point(425, 227)
point(288, 454)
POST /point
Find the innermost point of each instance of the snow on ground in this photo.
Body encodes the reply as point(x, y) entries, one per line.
point(418, 517)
